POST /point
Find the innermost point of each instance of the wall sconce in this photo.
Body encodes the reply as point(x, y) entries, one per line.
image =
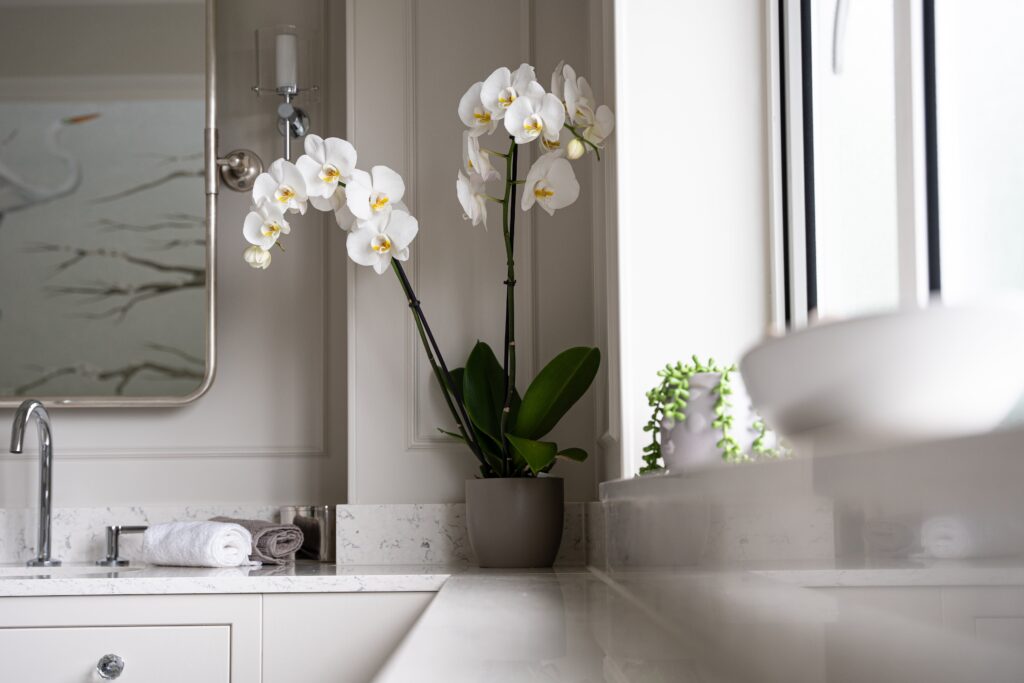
point(286, 66)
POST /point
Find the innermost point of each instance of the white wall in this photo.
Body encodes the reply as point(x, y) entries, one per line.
point(692, 207)
point(410, 62)
point(979, 65)
point(259, 434)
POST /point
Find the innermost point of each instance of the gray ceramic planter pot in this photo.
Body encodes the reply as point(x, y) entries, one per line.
point(515, 523)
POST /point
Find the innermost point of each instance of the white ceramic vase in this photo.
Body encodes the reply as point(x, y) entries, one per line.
point(693, 444)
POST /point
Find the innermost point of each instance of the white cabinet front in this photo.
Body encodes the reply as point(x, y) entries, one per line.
point(146, 654)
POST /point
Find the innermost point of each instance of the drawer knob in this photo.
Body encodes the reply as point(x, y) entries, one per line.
point(110, 667)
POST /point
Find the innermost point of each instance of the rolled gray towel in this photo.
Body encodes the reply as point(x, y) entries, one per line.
point(272, 543)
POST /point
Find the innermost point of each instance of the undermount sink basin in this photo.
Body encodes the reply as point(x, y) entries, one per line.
point(10, 571)
point(880, 380)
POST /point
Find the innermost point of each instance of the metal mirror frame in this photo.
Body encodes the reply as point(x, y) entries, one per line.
point(211, 187)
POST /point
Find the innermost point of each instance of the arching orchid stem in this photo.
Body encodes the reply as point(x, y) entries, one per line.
point(444, 377)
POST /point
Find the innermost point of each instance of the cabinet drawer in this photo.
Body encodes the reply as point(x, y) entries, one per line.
point(152, 654)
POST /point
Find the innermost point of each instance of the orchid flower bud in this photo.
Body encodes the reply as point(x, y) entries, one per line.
point(575, 149)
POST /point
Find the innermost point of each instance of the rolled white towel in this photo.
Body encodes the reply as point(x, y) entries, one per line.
point(197, 544)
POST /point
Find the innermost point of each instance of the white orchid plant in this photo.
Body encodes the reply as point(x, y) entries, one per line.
point(503, 429)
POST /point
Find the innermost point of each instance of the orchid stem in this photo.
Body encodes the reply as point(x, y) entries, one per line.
point(509, 230)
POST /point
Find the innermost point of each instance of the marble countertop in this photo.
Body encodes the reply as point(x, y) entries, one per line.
point(301, 577)
point(569, 626)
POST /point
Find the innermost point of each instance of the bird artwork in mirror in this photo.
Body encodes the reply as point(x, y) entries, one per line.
point(105, 280)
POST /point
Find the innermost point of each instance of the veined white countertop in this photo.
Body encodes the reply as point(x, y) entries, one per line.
point(714, 626)
point(301, 577)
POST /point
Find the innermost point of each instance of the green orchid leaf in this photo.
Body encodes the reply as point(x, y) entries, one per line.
point(539, 455)
point(577, 454)
point(483, 387)
point(555, 390)
point(458, 377)
point(451, 434)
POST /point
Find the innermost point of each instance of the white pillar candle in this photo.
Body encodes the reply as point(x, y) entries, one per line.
point(287, 55)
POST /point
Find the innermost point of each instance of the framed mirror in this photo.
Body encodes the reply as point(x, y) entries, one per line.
point(107, 201)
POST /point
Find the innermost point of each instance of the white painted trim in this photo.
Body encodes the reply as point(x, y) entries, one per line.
point(631, 448)
point(911, 192)
point(350, 287)
point(795, 154)
point(606, 298)
point(774, 123)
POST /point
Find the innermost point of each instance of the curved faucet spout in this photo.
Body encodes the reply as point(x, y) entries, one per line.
point(26, 411)
point(21, 417)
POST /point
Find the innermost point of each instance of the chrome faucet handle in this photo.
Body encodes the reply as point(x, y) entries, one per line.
point(113, 558)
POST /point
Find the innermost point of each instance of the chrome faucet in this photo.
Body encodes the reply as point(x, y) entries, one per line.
point(26, 411)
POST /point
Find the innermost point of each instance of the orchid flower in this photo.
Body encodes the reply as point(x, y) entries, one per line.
point(564, 138)
point(473, 112)
point(579, 98)
point(325, 164)
point(596, 122)
point(257, 257)
point(601, 127)
point(476, 160)
point(535, 114)
point(473, 197)
point(504, 87)
point(550, 183)
point(264, 224)
point(335, 204)
point(372, 196)
point(375, 243)
point(558, 80)
point(282, 185)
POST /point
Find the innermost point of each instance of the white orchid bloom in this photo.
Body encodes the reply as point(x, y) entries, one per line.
point(596, 122)
point(504, 87)
point(473, 197)
point(375, 243)
point(558, 80)
point(325, 164)
point(372, 196)
point(257, 257)
point(550, 183)
point(335, 204)
point(579, 99)
point(535, 114)
point(282, 185)
point(563, 140)
point(601, 127)
point(476, 160)
point(264, 224)
point(473, 112)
